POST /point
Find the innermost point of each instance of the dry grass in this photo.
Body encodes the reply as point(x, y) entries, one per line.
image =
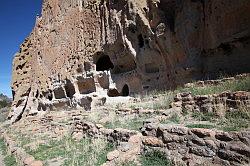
point(87, 152)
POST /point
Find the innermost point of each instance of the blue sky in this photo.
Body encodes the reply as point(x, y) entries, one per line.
point(17, 19)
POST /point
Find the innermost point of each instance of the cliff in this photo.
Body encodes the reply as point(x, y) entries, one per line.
point(81, 51)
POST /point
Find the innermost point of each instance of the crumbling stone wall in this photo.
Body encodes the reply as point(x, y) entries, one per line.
point(218, 104)
point(198, 146)
point(146, 44)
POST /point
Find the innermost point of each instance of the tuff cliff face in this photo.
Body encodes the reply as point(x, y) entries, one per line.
point(81, 51)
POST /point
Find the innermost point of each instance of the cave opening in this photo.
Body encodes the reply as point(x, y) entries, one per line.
point(59, 93)
point(70, 89)
point(140, 41)
point(125, 90)
point(113, 93)
point(104, 63)
point(50, 96)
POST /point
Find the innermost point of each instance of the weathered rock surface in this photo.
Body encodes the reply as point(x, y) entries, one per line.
point(80, 51)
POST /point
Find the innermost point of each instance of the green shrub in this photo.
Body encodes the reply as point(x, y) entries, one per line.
point(155, 158)
point(3, 103)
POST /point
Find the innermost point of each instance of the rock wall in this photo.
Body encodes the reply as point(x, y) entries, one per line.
point(182, 145)
point(216, 103)
point(198, 146)
point(82, 50)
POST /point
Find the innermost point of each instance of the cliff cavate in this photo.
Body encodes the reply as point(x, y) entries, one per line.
point(81, 51)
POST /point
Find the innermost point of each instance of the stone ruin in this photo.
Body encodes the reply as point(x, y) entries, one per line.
point(82, 51)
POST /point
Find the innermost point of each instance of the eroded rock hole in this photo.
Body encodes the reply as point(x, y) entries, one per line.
point(113, 93)
point(125, 90)
point(37, 94)
point(50, 96)
point(140, 41)
point(104, 63)
point(59, 93)
point(70, 89)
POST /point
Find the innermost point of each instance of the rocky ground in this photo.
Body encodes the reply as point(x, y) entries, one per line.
point(203, 123)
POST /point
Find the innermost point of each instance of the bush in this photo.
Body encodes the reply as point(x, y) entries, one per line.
point(155, 158)
point(3, 103)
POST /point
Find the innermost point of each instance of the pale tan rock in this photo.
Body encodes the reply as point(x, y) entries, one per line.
point(113, 155)
point(152, 141)
point(37, 163)
point(29, 160)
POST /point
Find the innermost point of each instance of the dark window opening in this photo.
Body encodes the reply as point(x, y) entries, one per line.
point(140, 41)
point(37, 94)
point(104, 63)
point(113, 93)
point(59, 93)
point(70, 89)
point(125, 90)
point(50, 96)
